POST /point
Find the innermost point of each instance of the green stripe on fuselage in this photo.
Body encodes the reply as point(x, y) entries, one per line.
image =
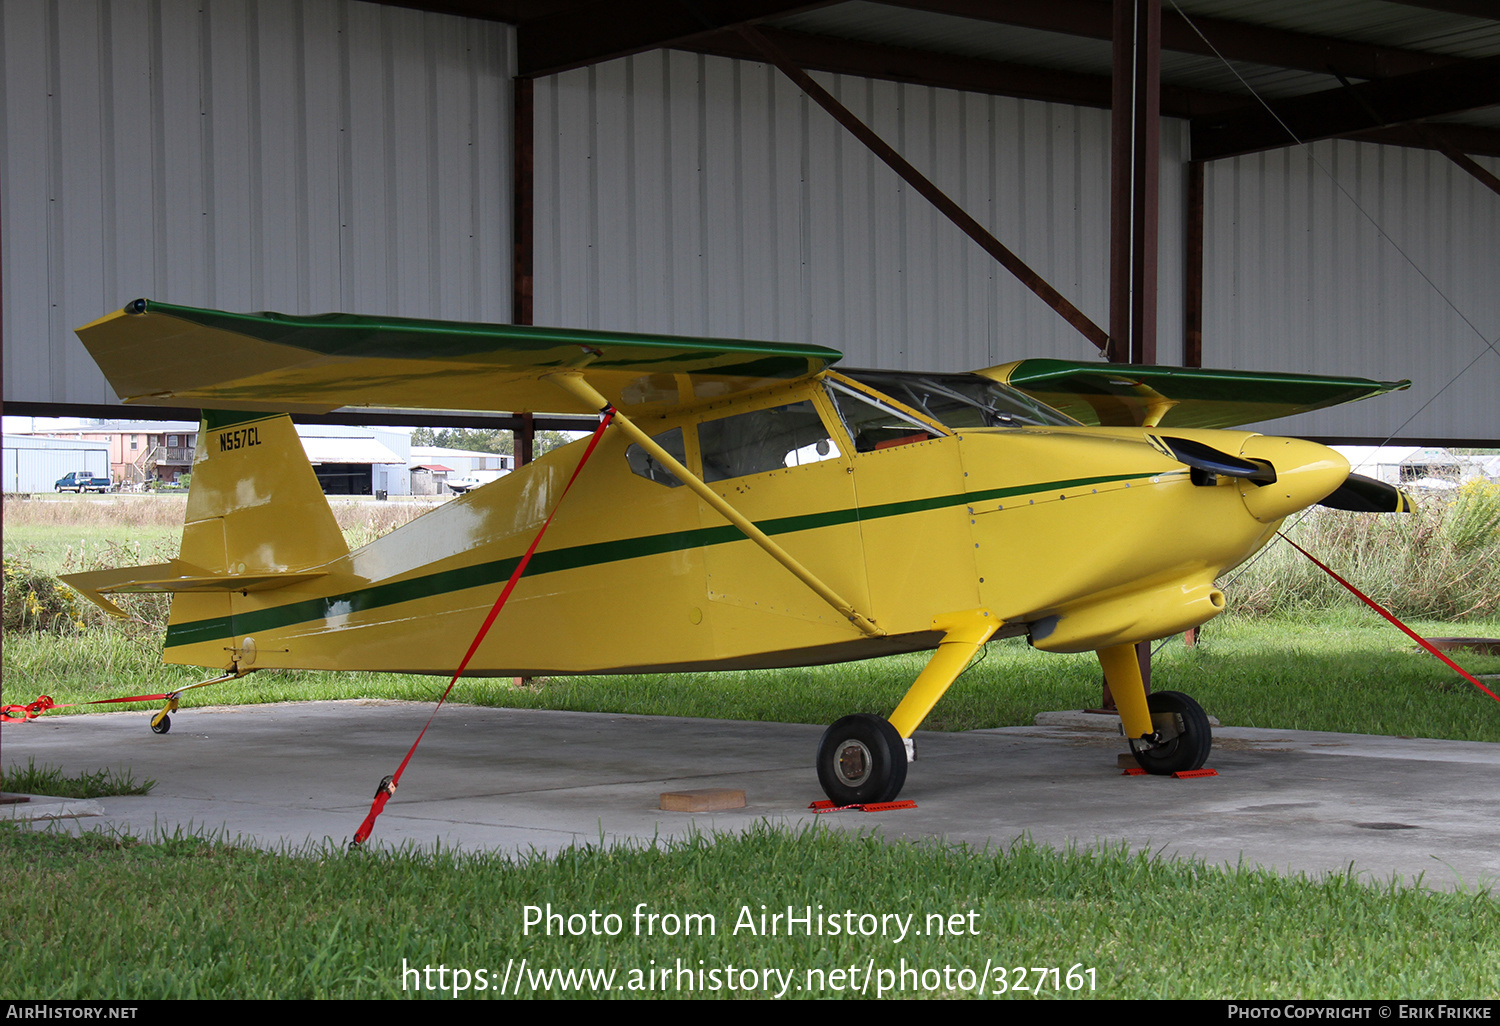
point(479, 575)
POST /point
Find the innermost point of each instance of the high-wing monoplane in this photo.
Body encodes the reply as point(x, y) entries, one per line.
point(748, 506)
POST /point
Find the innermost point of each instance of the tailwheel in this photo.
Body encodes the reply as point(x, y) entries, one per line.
point(862, 759)
point(161, 722)
point(1183, 735)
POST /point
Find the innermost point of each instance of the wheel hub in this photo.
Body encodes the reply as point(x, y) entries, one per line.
point(853, 763)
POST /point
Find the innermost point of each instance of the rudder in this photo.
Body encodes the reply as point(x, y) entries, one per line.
point(255, 505)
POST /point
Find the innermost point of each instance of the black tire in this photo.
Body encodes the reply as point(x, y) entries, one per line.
point(862, 759)
point(162, 727)
point(1188, 750)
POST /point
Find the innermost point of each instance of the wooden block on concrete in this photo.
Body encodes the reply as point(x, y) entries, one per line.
point(704, 799)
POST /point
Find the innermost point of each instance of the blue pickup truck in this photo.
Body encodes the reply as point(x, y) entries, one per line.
point(82, 481)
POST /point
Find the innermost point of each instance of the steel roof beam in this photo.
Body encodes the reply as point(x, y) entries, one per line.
point(1348, 110)
point(947, 71)
point(1480, 174)
point(608, 29)
point(1472, 8)
point(1235, 40)
point(1472, 139)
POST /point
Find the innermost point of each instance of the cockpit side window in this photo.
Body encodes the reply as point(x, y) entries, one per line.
point(772, 439)
point(962, 400)
point(643, 464)
point(874, 425)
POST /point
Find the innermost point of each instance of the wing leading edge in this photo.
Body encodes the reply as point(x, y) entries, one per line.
point(167, 355)
point(1136, 395)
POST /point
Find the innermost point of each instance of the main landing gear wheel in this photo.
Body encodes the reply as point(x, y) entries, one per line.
point(161, 727)
point(1185, 735)
point(862, 759)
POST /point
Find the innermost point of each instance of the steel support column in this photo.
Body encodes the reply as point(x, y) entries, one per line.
point(521, 200)
point(1134, 181)
point(1192, 327)
point(521, 218)
point(522, 143)
point(1135, 145)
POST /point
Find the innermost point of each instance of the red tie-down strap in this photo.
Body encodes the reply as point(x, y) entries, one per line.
point(823, 805)
point(22, 713)
point(1377, 607)
point(389, 784)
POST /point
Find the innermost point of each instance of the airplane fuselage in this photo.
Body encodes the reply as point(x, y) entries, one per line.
point(1083, 538)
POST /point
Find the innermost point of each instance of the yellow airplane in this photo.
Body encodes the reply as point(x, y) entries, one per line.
point(749, 506)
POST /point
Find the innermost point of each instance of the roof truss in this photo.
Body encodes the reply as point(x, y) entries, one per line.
point(1395, 86)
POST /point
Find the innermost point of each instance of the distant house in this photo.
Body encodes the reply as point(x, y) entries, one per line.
point(346, 460)
point(141, 452)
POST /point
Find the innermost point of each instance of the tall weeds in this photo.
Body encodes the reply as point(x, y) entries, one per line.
point(111, 511)
point(363, 522)
point(36, 601)
point(1440, 562)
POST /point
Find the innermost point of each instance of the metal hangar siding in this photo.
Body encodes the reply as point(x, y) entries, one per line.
point(352, 156)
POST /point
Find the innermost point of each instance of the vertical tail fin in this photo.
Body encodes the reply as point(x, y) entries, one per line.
point(255, 504)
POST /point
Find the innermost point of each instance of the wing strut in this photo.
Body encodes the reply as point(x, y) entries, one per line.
point(574, 385)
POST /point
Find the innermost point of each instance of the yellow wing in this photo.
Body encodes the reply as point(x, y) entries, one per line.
point(1136, 395)
point(166, 355)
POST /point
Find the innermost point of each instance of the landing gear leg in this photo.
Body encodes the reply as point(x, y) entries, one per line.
point(161, 722)
point(1169, 732)
point(1185, 734)
point(865, 754)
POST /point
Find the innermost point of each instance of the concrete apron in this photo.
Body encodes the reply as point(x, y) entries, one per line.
point(523, 780)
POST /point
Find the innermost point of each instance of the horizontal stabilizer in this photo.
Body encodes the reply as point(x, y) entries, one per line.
point(174, 576)
point(169, 355)
point(1138, 395)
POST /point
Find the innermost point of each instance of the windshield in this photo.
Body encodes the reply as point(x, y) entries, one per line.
point(962, 400)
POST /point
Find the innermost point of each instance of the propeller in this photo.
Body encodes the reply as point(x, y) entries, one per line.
point(1360, 494)
point(1209, 463)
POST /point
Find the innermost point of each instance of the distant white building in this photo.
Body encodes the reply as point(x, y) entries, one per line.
point(461, 461)
point(32, 464)
point(1479, 468)
point(1414, 466)
point(358, 460)
point(432, 466)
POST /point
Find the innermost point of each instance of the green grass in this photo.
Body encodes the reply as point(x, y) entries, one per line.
point(190, 916)
point(65, 548)
point(1340, 671)
point(49, 780)
point(1296, 653)
point(194, 917)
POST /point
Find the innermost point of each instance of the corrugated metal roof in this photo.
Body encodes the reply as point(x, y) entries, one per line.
point(1372, 22)
point(347, 450)
point(19, 441)
point(1368, 21)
